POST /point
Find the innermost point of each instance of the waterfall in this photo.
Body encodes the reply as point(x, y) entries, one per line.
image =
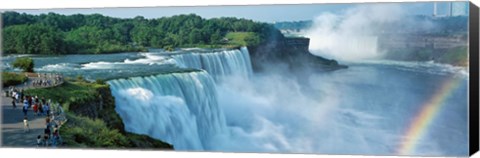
point(179, 108)
point(218, 63)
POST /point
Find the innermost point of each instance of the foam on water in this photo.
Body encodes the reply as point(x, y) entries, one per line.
point(147, 59)
point(59, 67)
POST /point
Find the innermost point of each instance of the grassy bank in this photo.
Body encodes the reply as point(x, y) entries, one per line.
point(10, 79)
point(457, 56)
point(243, 38)
point(92, 119)
point(231, 40)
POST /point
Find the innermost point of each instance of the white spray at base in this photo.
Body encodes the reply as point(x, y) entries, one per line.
point(342, 112)
point(352, 35)
point(266, 113)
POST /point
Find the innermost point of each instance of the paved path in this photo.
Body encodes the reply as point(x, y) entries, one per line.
point(13, 134)
point(12, 126)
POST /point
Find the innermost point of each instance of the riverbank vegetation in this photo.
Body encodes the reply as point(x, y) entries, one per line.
point(24, 63)
point(457, 56)
point(11, 79)
point(92, 119)
point(61, 34)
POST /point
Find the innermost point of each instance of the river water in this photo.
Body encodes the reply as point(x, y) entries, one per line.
point(199, 99)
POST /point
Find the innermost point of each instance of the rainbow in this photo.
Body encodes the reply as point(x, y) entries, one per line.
point(420, 124)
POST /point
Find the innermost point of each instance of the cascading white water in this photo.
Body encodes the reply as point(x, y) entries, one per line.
point(179, 108)
point(219, 64)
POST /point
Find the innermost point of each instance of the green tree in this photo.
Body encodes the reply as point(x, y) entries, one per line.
point(24, 63)
point(195, 37)
point(216, 37)
point(33, 39)
point(56, 34)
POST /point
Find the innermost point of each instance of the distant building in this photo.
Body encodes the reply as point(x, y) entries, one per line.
point(459, 8)
point(452, 9)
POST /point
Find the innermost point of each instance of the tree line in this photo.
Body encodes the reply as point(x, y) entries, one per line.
point(63, 34)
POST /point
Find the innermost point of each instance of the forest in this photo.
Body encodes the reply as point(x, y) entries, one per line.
point(54, 33)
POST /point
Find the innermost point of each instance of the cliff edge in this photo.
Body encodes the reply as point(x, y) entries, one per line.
point(289, 51)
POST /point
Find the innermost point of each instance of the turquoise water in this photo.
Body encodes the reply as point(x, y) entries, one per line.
point(224, 106)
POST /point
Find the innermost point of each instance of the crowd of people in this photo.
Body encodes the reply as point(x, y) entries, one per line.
point(15, 94)
point(43, 107)
point(40, 107)
point(46, 80)
point(50, 136)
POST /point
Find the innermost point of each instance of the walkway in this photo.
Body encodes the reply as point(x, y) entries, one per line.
point(13, 134)
point(12, 126)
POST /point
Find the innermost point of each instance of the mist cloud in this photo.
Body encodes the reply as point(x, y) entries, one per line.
point(352, 34)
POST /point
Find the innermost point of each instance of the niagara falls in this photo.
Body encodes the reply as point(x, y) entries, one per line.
point(364, 79)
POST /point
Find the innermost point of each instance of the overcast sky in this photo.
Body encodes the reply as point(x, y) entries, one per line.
point(264, 13)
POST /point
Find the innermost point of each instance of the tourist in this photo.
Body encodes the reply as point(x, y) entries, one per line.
point(43, 100)
point(52, 115)
point(47, 122)
point(46, 108)
point(36, 99)
point(26, 127)
point(16, 97)
point(55, 136)
point(39, 140)
point(14, 104)
point(40, 108)
point(35, 109)
point(33, 99)
point(21, 95)
point(46, 136)
point(12, 91)
point(25, 108)
point(13, 97)
point(29, 101)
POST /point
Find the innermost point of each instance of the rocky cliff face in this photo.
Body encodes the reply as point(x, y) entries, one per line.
point(102, 107)
point(291, 52)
